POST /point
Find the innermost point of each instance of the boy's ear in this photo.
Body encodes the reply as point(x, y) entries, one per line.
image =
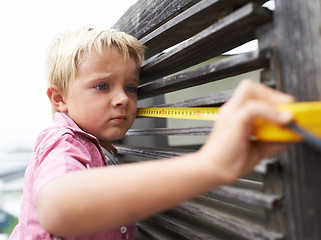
point(56, 98)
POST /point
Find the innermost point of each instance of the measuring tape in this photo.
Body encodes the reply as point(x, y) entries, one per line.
point(307, 115)
point(197, 113)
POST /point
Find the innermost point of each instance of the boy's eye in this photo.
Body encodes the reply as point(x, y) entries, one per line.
point(102, 87)
point(130, 89)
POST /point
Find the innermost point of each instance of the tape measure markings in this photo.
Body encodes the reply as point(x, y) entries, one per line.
point(199, 113)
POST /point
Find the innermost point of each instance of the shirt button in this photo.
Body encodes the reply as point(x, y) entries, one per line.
point(123, 229)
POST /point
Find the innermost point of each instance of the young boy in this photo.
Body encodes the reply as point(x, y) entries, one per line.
point(71, 192)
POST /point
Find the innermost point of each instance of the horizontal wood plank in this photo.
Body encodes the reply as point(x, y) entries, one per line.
point(181, 227)
point(249, 230)
point(144, 16)
point(223, 68)
point(150, 231)
point(212, 100)
point(187, 24)
point(268, 201)
point(263, 167)
point(155, 153)
point(195, 131)
point(230, 32)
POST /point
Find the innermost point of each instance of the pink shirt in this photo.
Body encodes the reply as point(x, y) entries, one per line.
point(59, 150)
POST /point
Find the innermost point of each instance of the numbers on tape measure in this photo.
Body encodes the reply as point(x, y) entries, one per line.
point(181, 113)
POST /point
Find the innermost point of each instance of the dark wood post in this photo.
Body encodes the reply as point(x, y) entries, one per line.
point(298, 46)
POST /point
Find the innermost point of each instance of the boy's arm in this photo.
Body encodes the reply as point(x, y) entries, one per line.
point(105, 198)
point(100, 199)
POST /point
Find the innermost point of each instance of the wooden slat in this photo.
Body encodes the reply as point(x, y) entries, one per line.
point(181, 224)
point(249, 230)
point(248, 184)
point(230, 32)
point(187, 24)
point(151, 232)
point(150, 152)
point(253, 197)
point(227, 208)
point(268, 201)
point(267, 165)
point(156, 153)
point(215, 99)
point(183, 229)
point(224, 68)
point(195, 131)
point(144, 16)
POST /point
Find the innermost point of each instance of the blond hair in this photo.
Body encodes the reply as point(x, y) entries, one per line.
point(66, 52)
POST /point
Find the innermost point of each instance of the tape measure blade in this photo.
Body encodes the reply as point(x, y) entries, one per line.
point(209, 114)
point(306, 114)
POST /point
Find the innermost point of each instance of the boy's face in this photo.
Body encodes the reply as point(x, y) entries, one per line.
point(102, 100)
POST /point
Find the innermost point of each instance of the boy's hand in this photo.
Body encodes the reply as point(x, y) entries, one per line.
point(229, 144)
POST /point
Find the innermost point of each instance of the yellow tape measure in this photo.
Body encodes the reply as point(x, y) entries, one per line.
point(197, 113)
point(307, 115)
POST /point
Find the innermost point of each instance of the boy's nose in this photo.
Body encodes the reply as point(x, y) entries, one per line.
point(120, 99)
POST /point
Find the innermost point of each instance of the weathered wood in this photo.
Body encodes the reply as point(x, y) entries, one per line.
point(281, 201)
point(230, 32)
point(216, 99)
point(249, 230)
point(298, 45)
point(226, 208)
point(195, 131)
point(248, 184)
point(187, 24)
point(202, 229)
point(151, 232)
point(181, 228)
point(150, 152)
point(223, 68)
point(268, 201)
point(144, 16)
point(266, 165)
point(156, 153)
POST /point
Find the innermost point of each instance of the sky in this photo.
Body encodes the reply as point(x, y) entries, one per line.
point(27, 28)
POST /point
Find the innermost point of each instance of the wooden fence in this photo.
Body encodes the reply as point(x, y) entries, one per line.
point(186, 40)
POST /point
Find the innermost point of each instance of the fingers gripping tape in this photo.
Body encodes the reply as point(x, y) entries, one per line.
point(307, 115)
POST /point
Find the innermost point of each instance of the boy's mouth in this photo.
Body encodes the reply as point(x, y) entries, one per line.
point(119, 118)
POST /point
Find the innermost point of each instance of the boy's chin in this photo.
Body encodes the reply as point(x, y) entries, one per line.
point(119, 137)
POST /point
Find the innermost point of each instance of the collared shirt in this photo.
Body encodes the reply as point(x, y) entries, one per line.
point(59, 150)
point(111, 157)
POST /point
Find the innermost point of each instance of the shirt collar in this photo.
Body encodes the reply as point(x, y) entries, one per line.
point(63, 120)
